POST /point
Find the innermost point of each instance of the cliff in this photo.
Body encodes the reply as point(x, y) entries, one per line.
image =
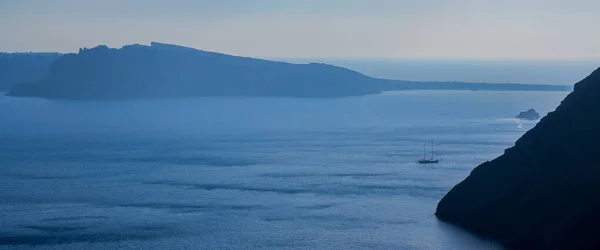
point(16, 68)
point(544, 192)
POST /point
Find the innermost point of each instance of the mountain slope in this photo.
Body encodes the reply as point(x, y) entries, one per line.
point(543, 193)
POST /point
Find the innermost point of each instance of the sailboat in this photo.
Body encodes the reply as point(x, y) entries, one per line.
point(430, 160)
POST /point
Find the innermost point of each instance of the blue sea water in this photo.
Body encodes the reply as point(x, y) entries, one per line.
point(247, 173)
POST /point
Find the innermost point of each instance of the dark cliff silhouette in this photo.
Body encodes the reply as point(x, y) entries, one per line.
point(543, 193)
point(169, 71)
point(16, 68)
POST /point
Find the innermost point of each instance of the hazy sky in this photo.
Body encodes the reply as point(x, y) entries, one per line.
point(450, 29)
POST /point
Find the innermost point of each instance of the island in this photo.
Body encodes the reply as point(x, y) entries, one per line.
point(530, 114)
point(544, 192)
point(170, 71)
point(16, 68)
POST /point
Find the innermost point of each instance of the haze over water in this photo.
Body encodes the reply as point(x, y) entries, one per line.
point(552, 72)
point(234, 173)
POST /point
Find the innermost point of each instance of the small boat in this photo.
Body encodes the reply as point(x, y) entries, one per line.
point(430, 160)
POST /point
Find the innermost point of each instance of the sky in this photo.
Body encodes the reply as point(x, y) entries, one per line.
point(387, 29)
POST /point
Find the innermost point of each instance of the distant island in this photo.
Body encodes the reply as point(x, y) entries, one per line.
point(543, 193)
point(530, 114)
point(16, 68)
point(171, 71)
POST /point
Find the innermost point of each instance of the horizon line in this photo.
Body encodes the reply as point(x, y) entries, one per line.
point(351, 57)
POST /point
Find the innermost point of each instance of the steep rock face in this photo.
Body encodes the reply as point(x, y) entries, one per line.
point(17, 68)
point(543, 193)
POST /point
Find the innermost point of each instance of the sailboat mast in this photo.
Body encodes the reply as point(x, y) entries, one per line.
point(424, 150)
point(432, 149)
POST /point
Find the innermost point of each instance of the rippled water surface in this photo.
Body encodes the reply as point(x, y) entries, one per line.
point(238, 173)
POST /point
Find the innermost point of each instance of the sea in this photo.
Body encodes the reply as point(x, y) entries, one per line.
point(248, 173)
